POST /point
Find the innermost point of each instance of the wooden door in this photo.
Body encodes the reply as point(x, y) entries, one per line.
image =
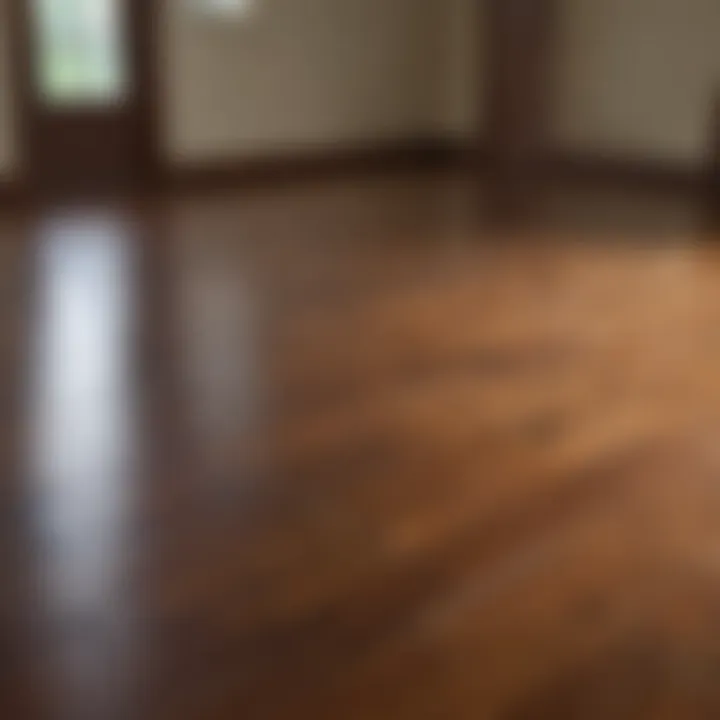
point(86, 86)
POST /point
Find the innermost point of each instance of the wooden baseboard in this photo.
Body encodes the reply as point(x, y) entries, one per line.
point(13, 193)
point(326, 163)
point(638, 174)
point(630, 172)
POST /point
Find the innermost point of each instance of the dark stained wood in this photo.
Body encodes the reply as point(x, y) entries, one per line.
point(713, 170)
point(633, 173)
point(83, 151)
point(22, 90)
point(335, 161)
point(342, 451)
point(145, 28)
point(520, 42)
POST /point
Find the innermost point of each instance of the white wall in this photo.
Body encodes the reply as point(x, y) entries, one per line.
point(636, 76)
point(300, 73)
point(7, 144)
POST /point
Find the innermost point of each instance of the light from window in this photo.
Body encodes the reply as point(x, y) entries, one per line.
point(230, 9)
point(80, 51)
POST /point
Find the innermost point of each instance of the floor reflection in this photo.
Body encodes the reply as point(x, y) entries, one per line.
point(219, 359)
point(84, 454)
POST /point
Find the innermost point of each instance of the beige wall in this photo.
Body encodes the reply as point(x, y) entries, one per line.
point(460, 107)
point(300, 73)
point(7, 146)
point(296, 73)
point(636, 76)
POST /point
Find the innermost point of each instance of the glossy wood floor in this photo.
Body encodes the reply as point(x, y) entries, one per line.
point(346, 451)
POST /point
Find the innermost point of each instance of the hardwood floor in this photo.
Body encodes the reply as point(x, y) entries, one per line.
point(349, 451)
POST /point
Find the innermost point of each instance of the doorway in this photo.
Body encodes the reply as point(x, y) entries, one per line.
point(86, 71)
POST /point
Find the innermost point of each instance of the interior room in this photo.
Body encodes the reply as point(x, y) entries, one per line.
point(358, 359)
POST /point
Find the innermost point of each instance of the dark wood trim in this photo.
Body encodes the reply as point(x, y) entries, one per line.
point(519, 61)
point(13, 193)
point(713, 172)
point(143, 60)
point(633, 172)
point(316, 164)
point(146, 58)
point(21, 79)
point(301, 166)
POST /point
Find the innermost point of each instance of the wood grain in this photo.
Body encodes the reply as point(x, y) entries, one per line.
point(344, 450)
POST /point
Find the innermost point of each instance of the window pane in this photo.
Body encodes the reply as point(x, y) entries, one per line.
point(80, 53)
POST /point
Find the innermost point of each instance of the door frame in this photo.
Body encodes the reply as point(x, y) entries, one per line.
point(519, 58)
point(143, 59)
